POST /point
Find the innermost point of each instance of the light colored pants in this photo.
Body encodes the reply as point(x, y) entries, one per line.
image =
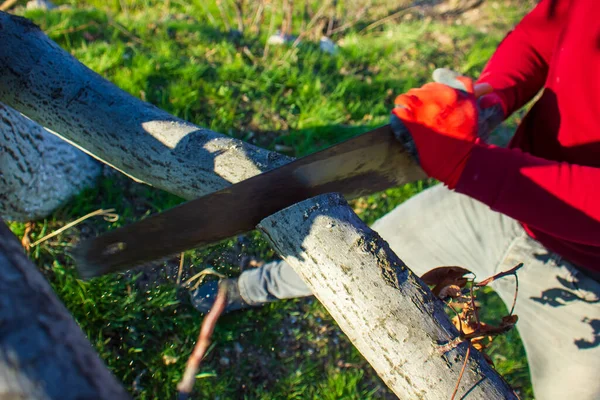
point(558, 306)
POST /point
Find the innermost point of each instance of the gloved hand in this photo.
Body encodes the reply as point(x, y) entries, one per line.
point(443, 122)
point(487, 99)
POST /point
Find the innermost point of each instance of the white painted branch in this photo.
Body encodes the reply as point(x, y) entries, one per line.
point(43, 353)
point(387, 312)
point(51, 87)
point(39, 170)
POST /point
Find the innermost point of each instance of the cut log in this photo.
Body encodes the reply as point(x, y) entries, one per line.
point(40, 171)
point(43, 353)
point(51, 87)
point(388, 313)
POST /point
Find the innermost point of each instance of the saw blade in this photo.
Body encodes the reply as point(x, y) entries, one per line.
point(365, 164)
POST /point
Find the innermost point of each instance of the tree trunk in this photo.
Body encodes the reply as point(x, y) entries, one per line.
point(155, 147)
point(39, 170)
point(388, 313)
point(43, 353)
point(48, 85)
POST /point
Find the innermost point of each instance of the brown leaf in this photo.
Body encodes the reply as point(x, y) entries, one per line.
point(462, 303)
point(445, 276)
point(439, 274)
point(26, 240)
point(482, 342)
point(457, 322)
point(509, 320)
point(477, 345)
point(506, 325)
point(450, 291)
point(468, 327)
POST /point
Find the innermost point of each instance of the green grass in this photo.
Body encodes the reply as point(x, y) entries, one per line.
point(173, 55)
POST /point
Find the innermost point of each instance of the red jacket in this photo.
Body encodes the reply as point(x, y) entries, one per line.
point(549, 177)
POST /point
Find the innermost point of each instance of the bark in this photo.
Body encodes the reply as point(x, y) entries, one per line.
point(43, 353)
point(388, 313)
point(48, 85)
point(40, 171)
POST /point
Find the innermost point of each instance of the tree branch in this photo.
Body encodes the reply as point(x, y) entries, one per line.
point(39, 171)
point(43, 353)
point(388, 313)
point(51, 87)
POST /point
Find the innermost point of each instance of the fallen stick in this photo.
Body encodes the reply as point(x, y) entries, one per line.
point(186, 385)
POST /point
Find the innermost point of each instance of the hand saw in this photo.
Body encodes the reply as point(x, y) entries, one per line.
point(363, 165)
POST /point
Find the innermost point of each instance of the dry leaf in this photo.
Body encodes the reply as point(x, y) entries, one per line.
point(509, 320)
point(26, 241)
point(449, 282)
point(445, 276)
point(450, 291)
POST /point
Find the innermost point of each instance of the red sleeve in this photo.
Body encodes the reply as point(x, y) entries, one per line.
point(518, 68)
point(557, 198)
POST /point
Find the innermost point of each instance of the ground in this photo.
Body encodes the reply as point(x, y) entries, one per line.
point(206, 65)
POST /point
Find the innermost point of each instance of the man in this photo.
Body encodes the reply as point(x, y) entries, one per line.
point(536, 202)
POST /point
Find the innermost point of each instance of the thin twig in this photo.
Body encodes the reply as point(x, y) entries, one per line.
point(458, 316)
point(124, 31)
point(472, 295)
point(386, 19)
point(357, 18)
point(110, 21)
point(314, 19)
point(180, 271)
point(7, 4)
point(200, 277)
point(80, 27)
point(249, 54)
point(461, 372)
point(58, 29)
point(499, 275)
point(186, 385)
point(109, 215)
point(512, 309)
point(454, 343)
point(332, 18)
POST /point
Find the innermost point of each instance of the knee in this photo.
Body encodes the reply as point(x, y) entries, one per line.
point(569, 381)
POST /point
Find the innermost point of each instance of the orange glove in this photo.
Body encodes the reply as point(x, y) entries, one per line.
point(443, 123)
